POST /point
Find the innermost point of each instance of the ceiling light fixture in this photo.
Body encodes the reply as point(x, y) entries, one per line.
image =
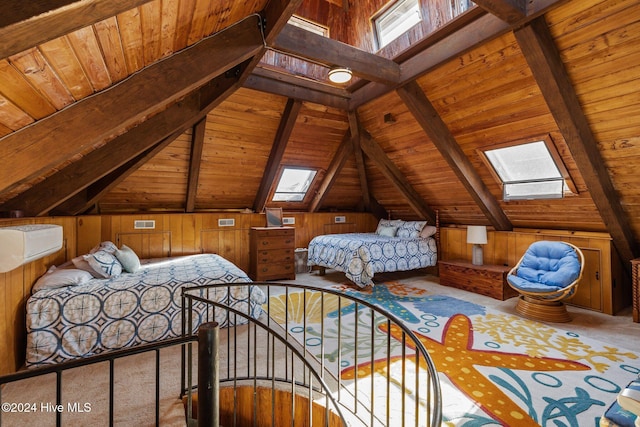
point(339, 74)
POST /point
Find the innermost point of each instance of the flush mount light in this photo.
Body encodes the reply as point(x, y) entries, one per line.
point(339, 74)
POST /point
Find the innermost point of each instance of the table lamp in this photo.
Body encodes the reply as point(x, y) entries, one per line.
point(477, 236)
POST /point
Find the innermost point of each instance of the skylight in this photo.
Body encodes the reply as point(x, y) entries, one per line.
point(309, 26)
point(527, 171)
point(293, 185)
point(396, 20)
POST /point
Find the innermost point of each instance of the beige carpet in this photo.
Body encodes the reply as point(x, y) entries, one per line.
point(86, 389)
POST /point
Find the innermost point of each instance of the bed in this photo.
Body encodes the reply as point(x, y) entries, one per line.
point(129, 308)
point(395, 246)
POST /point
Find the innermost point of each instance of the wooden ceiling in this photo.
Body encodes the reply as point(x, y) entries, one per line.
point(196, 105)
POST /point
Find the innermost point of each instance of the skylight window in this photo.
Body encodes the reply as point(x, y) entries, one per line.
point(396, 20)
point(293, 185)
point(309, 26)
point(528, 171)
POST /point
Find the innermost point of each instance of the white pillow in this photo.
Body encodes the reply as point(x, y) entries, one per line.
point(81, 263)
point(388, 223)
point(387, 231)
point(60, 277)
point(128, 258)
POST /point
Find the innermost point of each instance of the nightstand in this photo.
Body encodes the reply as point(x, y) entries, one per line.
point(489, 280)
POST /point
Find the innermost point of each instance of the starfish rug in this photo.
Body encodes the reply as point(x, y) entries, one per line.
point(494, 368)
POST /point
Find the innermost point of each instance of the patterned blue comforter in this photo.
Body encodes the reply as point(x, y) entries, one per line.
point(360, 255)
point(133, 308)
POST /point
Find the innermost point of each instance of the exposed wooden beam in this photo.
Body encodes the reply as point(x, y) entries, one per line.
point(304, 82)
point(354, 126)
point(510, 11)
point(287, 122)
point(541, 53)
point(397, 178)
point(276, 15)
point(96, 119)
point(64, 184)
point(337, 163)
point(25, 24)
point(305, 44)
point(195, 161)
point(295, 92)
point(88, 197)
point(435, 128)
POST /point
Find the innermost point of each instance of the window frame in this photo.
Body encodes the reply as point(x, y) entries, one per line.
point(570, 187)
point(279, 178)
point(387, 9)
point(308, 25)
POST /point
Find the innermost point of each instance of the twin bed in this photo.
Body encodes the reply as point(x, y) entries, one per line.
point(395, 246)
point(72, 313)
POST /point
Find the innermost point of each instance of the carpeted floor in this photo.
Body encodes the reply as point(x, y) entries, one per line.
point(514, 375)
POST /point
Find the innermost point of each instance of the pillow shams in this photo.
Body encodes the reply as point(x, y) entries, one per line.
point(104, 264)
point(410, 229)
point(60, 277)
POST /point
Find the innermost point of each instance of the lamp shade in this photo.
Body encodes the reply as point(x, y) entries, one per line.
point(477, 234)
point(339, 74)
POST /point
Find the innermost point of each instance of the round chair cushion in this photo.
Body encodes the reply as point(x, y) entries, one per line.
point(546, 266)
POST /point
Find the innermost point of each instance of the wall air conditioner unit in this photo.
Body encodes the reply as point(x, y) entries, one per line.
point(22, 244)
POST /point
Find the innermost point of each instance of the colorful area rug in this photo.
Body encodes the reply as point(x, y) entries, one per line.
point(494, 368)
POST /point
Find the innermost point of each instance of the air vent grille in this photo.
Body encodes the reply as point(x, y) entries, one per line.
point(288, 220)
point(144, 224)
point(340, 219)
point(226, 222)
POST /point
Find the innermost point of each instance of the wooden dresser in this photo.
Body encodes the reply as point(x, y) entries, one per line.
point(489, 280)
point(272, 253)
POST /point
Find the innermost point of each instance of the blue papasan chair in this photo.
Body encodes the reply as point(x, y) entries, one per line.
point(545, 277)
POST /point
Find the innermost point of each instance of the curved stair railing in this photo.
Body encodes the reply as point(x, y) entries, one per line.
point(315, 356)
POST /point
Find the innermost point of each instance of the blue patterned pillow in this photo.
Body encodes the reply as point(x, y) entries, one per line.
point(104, 263)
point(410, 229)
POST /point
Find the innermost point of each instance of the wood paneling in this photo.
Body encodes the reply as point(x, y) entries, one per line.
point(174, 235)
point(15, 289)
point(506, 248)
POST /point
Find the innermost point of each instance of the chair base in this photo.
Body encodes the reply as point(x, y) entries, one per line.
point(541, 310)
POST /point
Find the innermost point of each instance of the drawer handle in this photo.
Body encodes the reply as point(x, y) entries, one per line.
point(264, 270)
point(265, 243)
point(288, 241)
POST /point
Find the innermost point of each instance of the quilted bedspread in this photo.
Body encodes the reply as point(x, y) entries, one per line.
point(133, 308)
point(361, 255)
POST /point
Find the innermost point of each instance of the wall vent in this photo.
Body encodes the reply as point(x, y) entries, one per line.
point(144, 224)
point(226, 222)
point(340, 219)
point(288, 220)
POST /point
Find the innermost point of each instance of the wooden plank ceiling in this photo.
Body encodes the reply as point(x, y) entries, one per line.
point(197, 105)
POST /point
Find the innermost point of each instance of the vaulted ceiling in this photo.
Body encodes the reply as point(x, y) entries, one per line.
point(196, 105)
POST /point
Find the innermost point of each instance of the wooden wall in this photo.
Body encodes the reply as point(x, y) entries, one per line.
point(611, 275)
point(15, 288)
point(174, 235)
